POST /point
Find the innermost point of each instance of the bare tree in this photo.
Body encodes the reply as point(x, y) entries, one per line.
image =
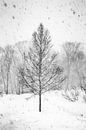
point(6, 61)
point(20, 48)
point(40, 72)
point(79, 63)
point(1, 67)
point(71, 50)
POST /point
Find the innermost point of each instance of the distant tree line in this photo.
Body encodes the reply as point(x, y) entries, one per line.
point(33, 67)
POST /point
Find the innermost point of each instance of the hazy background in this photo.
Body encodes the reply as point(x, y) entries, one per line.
point(65, 19)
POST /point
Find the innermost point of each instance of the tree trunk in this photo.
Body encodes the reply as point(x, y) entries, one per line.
point(19, 91)
point(40, 89)
point(68, 77)
point(7, 82)
point(22, 89)
point(77, 70)
point(3, 80)
point(40, 101)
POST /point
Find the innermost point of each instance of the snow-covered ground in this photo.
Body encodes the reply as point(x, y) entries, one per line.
point(20, 112)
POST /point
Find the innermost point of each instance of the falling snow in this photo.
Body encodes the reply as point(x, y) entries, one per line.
point(51, 13)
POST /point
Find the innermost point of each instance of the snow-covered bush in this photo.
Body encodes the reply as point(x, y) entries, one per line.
point(71, 95)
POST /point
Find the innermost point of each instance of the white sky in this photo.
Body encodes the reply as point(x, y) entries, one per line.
point(65, 19)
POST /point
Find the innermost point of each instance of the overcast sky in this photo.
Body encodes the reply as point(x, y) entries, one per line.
point(65, 19)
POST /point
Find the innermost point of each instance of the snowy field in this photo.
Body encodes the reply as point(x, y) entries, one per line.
point(20, 112)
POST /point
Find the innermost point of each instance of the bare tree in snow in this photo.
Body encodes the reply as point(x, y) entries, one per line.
point(6, 61)
point(20, 48)
point(79, 63)
point(71, 51)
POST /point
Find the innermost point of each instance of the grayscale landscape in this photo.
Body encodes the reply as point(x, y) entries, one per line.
point(42, 64)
